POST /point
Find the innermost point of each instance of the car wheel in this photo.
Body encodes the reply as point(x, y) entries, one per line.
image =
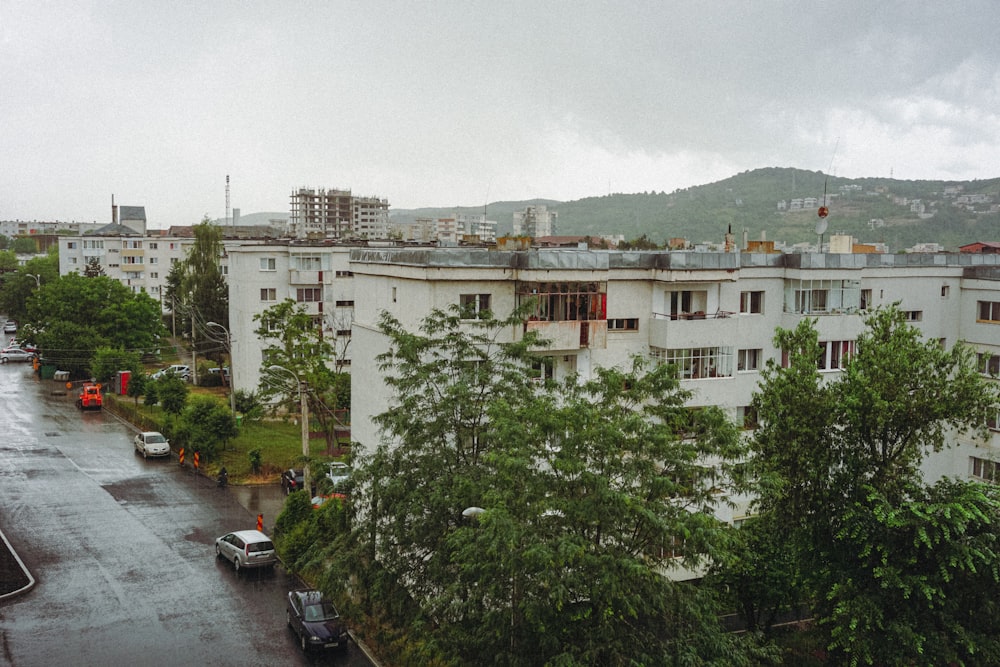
point(218, 551)
point(145, 455)
point(288, 618)
point(302, 642)
point(236, 564)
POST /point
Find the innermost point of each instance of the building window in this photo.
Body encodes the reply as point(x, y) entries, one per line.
point(72, 260)
point(394, 295)
point(834, 354)
point(866, 299)
point(268, 264)
point(914, 315)
point(154, 260)
point(984, 469)
point(685, 303)
point(989, 311)
point(154, 275)
point(751, 302)
point(71, 245)
point(345, 304)
point(749, 360)
point(344, 274)
point(697, 363)
point(153, 245)
point(343, 333)
point(268, 294)
point(309, 294)
point(307, 262)
point(822, 296)
point(542, 369)
point(474, 305)
point(989, 364)
point(565, 301)
point(993, 421)
point(945, 289)
point(623, 324)
point(746, 416)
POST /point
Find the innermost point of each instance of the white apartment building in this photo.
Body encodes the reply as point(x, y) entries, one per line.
point(535, 221)
point(337, 214)
point(317, 275)
point(711, 314)
point(140, 262)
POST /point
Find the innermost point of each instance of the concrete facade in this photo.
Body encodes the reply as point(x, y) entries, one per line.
point(713, 314)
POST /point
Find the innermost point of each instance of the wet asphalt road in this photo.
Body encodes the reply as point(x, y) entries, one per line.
point(122, 548)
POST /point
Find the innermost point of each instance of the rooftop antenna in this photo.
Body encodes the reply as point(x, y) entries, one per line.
point(227, 200)
point(824, 210)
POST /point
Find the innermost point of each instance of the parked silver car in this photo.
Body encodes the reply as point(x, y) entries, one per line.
point(151, 443)
point(15, 354)
point(246, 548)
point(180, 370)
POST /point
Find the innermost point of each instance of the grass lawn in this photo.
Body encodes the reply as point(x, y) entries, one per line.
point(279, 441)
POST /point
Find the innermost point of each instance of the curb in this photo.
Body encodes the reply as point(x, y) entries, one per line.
point(31, 580)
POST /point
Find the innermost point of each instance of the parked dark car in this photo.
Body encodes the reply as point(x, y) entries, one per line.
point(315, 620)
point(292, 480)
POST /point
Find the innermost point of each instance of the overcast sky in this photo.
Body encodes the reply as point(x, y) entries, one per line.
point(459, 103)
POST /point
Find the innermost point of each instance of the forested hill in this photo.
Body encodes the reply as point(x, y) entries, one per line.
point(897, 212)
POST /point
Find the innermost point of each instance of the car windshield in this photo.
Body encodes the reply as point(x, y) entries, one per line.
point(324, 611)
point(155, 437)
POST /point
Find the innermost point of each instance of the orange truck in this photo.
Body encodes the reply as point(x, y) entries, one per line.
point(90, 397)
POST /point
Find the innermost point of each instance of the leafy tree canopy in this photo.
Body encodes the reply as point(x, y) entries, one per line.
point(533, 521)
point(899, 571)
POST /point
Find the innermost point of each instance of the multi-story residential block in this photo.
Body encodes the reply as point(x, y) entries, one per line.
point(139, 261)
point(317, 275)
point(713, 315)
point(337, 214)
point(535, 221)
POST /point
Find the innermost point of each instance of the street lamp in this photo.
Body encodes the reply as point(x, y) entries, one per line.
point(232, 366)
point(38, 279)
point(303, 387)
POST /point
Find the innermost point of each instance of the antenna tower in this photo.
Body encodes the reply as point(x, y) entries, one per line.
point(227, 200)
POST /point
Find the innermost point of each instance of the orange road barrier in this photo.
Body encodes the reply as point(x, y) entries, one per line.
point(180, 456)
point(197, 459)
point(260, 522)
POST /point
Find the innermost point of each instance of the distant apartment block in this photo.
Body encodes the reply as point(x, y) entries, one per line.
point(454, 229)
point(535, 221)
point(337, 214)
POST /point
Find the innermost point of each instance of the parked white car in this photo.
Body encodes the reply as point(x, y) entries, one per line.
point(152, 443)
point(180, 370)
point(338, 472)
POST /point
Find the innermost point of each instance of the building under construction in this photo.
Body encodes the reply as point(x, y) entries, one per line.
point(337, 214)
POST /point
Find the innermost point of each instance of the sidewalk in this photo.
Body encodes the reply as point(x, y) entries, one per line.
point(14, 576)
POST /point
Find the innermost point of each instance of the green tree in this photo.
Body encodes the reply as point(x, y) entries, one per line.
point(582, 493)
point(19, 282)
point(172, 392)
point(24, 245)
point(107, 362)
point(73, 316)
point(203, 283)
point(894, 566)
point(294, 340)
point(137, 385)
point(93, 268)
point(205, 424)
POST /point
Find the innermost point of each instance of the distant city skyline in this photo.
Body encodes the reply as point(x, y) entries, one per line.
point(463, 104)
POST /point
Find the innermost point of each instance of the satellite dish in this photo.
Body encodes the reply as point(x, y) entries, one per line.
point(821, 225)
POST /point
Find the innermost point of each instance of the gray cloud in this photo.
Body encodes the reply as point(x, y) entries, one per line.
point(451, 103)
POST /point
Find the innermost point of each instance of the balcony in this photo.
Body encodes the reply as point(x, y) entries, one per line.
point(681, 330)
point(299, 277)
point(571, 334)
